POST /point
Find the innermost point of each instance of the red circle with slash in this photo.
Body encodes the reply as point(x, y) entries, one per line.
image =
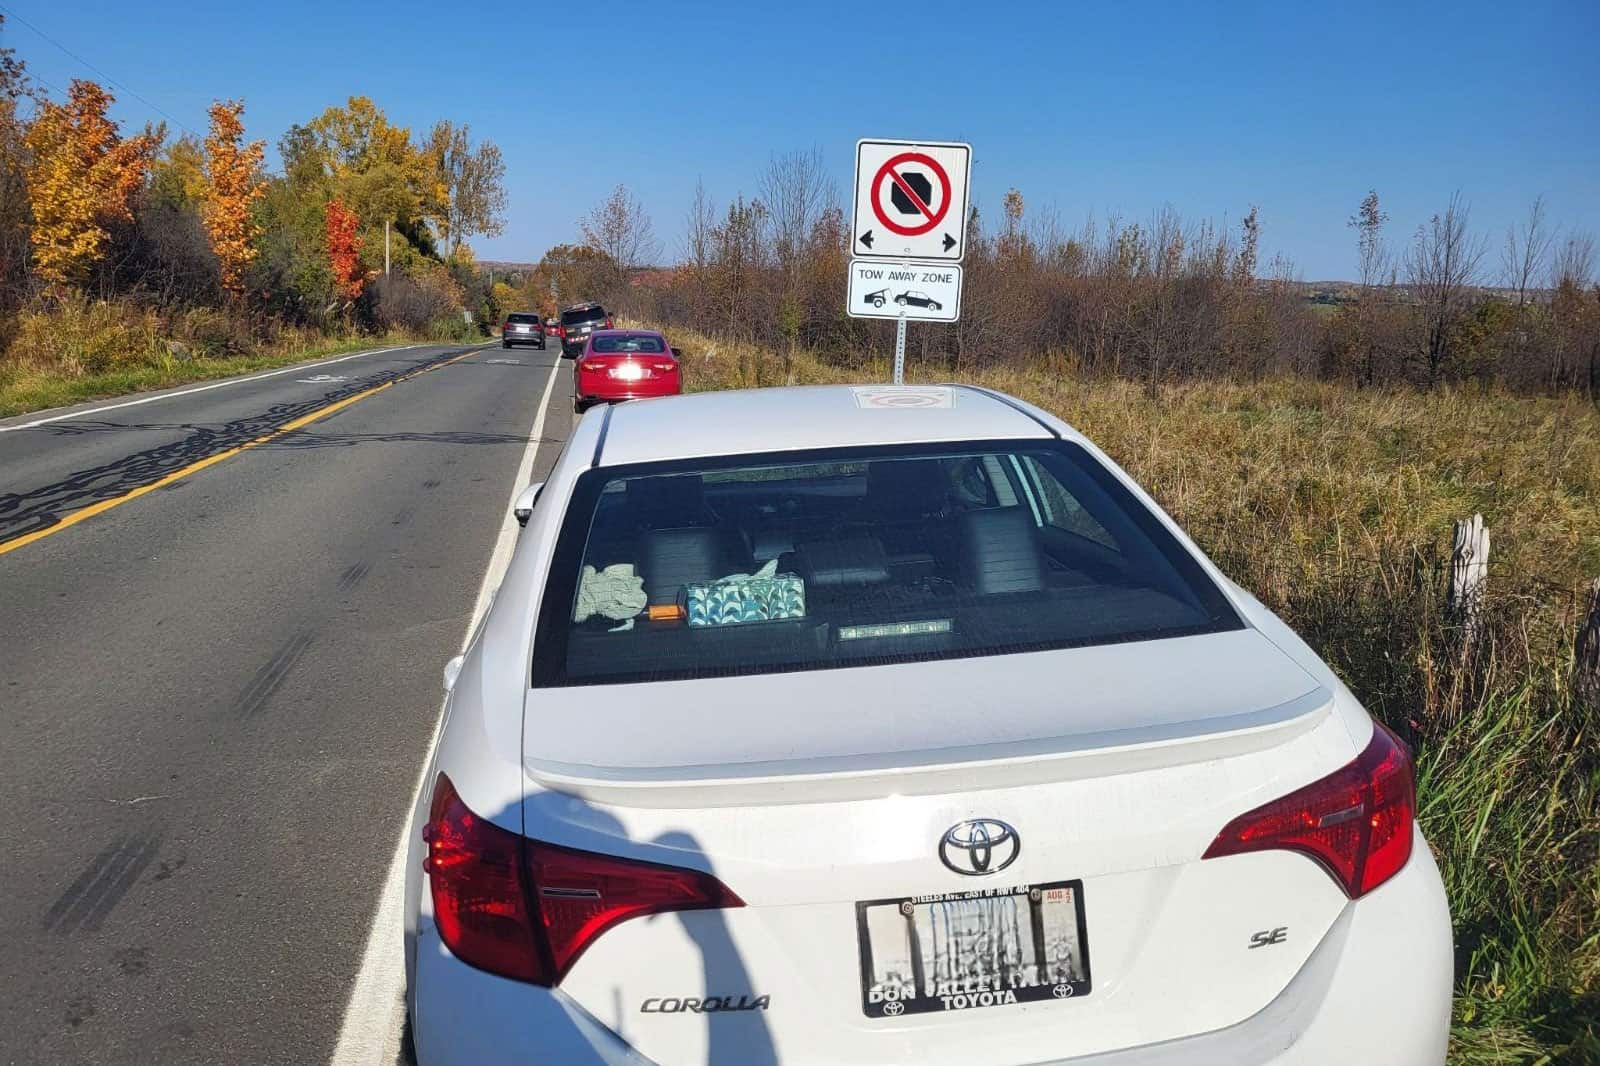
point(890, 172)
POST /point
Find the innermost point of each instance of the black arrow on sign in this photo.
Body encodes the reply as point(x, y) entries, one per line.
point(949, 242)
point(866, 238)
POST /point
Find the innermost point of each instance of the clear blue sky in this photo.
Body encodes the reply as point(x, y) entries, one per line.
point(1091, 108)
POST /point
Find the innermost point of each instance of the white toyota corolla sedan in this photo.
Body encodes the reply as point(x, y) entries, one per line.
point(850, 726)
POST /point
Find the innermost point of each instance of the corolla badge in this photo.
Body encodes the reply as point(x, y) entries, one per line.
point(979, 846)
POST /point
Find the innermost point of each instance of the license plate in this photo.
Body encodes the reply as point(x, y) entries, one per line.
point(519, 329)
point(985, 948)
point(627, 372)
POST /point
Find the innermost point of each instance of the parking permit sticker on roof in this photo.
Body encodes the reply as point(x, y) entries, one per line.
point(901, 396)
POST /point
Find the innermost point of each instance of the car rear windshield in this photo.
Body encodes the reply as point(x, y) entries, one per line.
point(518, 317)
point(618, 345)
point(581, 315)
point(806, 561)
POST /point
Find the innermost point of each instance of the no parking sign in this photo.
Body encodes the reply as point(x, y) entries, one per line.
point(911, 200)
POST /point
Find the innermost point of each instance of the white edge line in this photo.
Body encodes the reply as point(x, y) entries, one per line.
point(207, 388)
point(374, 1015)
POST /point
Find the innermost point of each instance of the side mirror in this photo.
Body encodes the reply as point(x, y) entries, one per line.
point(529, 496)
point(677, 353)
point(452, 670)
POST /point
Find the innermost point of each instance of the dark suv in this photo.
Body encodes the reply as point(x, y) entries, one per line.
point(522, 327)
point(577, 322)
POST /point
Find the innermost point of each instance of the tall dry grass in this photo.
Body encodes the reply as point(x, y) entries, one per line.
point(1333, 505)
point(73, 348)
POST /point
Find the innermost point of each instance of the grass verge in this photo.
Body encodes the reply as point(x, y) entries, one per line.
point(80, 350)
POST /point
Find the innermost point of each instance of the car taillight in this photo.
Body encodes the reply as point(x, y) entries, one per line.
point(608, 322)
point(664, 366)
point(1356, 822)
point(484, 880)
point(474, 872)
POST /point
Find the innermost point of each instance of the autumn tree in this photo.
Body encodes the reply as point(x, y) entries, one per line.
point(795, 190)
point(232, 186)
point(178, 173)
point(621, 231)
point(1441, 265)
point(81, 180)
point(471, 184)
point(344, 250)
point(372, 167)
point(1372, 261)
point(15, 87)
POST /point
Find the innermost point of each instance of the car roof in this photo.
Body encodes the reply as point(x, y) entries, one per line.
point(625, 333)
point(753, 421)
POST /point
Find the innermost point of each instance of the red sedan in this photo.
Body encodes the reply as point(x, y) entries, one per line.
point(624, 364)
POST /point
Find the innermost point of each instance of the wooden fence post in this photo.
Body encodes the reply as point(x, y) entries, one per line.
point(1469, 570)
point(1586, 653)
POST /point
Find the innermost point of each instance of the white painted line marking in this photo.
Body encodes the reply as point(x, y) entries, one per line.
point(374, 1016)
point(207, 388)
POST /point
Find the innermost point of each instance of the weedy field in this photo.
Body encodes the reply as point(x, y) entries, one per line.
point(1333, 505)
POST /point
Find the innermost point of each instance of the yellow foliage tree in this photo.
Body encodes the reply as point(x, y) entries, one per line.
point(233, 184)
point(81, 180)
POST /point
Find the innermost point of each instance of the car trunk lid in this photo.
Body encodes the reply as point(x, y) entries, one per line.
point(821, 800)
point(917, 727)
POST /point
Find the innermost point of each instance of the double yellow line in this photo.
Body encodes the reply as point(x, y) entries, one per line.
point(211, 460)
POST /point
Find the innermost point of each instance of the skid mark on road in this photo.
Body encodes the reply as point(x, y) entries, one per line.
point(28, 516)
point(103, 883)
point(259, 691)
point(353, 576)
point(402, 516)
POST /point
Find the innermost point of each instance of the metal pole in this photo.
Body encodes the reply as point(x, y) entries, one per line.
point(900, 349)
point(385, 247)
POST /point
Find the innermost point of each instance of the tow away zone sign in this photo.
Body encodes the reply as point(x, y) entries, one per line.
point(918, 292)
point(911, 200)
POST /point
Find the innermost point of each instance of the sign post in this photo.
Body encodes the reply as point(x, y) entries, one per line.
point(900, 350)
point(908, 234)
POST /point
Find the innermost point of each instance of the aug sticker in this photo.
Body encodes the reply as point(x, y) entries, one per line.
point(902, 396)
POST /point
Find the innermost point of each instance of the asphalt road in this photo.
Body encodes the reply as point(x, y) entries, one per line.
point(216, 696)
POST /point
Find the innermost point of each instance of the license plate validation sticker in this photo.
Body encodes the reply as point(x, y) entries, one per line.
point(984, 948)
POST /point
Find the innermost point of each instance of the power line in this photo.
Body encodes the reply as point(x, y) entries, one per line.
point(69, 52)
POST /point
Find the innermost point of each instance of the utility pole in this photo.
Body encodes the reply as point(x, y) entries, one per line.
point(385, 247)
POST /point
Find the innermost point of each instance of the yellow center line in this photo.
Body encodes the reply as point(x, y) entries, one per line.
point(211, 460)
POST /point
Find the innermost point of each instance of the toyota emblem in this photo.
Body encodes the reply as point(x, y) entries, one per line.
point(979, 846)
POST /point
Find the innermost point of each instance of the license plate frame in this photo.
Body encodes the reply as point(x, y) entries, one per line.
point(959, 951)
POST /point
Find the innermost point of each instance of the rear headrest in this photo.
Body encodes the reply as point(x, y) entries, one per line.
point(667, 502)
point(906, 487)
point(672, 558)
point(845, 561)
point(1000, 551)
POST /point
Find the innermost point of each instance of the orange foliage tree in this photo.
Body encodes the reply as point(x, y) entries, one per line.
point(344, 250)
point(233, 183)
point(81, 180)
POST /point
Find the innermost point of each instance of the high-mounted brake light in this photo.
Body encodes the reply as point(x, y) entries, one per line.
point(526, 910)
point(1356, 822)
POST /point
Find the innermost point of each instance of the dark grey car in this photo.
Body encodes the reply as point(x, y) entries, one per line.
point(577, 322)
